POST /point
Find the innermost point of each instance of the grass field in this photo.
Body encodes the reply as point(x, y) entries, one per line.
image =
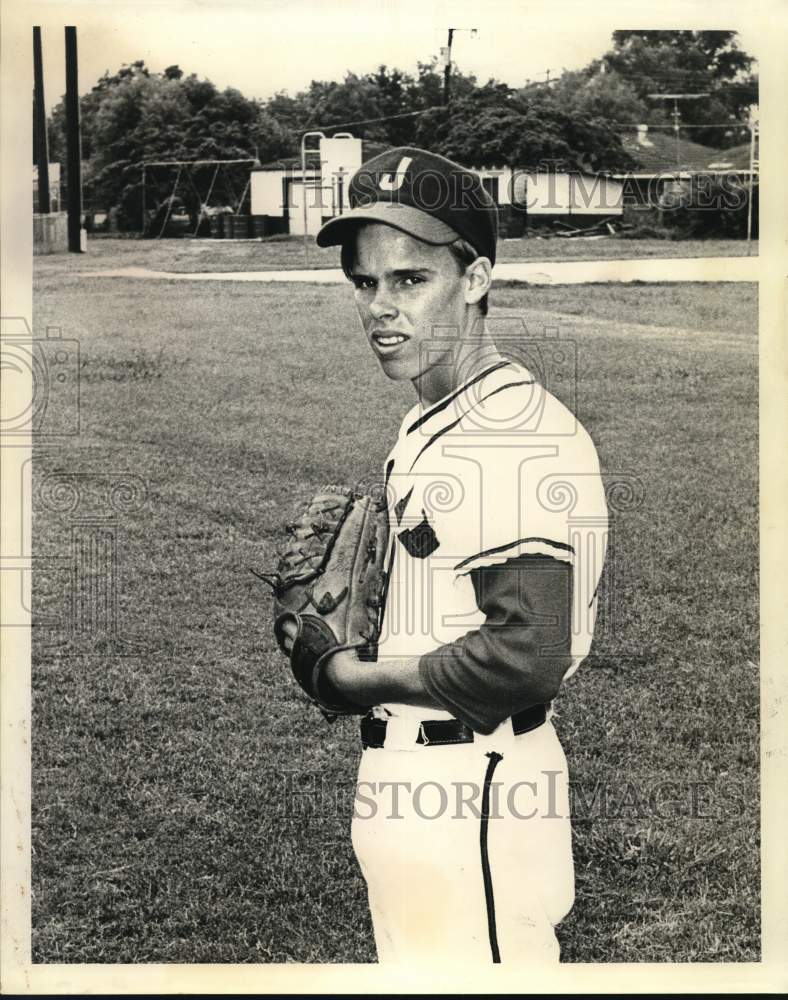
point(187, 255)
point(164, 822)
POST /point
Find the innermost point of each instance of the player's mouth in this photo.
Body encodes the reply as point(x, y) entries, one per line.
point(388, 341)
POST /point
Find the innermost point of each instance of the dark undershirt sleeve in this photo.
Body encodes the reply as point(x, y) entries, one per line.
point(519, 656)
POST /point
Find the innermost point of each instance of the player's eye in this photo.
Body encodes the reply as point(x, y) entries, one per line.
point(409, 280)
point(361, 282)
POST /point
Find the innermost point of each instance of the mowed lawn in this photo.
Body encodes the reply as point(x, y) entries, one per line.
point(287, 253)
point(188, 806)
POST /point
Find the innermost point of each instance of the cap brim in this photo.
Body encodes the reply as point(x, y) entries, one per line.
point(403, 217)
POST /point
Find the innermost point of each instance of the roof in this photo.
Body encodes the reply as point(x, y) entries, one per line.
point(735, 158)
point(657, 153)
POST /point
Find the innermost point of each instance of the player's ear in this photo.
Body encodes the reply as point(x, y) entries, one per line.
point(478, 277)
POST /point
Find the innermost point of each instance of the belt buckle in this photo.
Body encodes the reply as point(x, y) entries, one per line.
point(423, 736)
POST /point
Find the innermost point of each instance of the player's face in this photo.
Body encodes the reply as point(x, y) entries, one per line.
point(407, 294)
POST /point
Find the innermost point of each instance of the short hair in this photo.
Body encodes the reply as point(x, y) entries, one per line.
point(462, 251)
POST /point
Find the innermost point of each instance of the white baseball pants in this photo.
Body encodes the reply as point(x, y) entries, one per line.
point(456, 872)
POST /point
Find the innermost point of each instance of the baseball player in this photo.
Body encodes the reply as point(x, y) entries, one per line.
point(497, 532)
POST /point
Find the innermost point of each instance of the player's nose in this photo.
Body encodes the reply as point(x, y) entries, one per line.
point(382, 305)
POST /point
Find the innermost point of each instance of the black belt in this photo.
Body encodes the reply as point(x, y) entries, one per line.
point(445, 732)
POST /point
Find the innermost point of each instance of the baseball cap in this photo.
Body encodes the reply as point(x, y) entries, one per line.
point(422, 194)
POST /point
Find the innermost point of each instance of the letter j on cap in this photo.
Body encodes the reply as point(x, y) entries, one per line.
point(393, 182)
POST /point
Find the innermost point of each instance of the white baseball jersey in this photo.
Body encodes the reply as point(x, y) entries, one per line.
point(497, 469)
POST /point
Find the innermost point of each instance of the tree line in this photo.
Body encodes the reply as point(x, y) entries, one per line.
point(575, 121)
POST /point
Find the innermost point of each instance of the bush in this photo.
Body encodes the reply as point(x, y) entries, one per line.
point(708, 207)
point(712, 208)
point(645, 232)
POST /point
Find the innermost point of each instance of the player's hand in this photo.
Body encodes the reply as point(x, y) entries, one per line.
point(289, 630)
point(343, 662)
point(343, 667)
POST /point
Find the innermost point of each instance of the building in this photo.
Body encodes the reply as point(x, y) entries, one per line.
point(737, 160)
point(528, 199)
point(667, 167)
point(524, 198)
point(278, 190)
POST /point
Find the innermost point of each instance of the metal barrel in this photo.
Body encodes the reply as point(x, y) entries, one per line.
point(240, 226)
point(260, 226)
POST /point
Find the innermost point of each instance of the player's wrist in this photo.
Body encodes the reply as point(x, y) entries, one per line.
point(342, 670)
point(334, 687)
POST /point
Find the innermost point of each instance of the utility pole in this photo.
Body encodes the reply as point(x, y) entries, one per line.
point(677, 118)
point(754, 163)
point(40, 115)
point(144, 203)
point(447, 68)
point(73, 144)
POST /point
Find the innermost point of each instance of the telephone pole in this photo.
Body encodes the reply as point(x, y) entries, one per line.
point(447, 55)
point(754, 166)
point(42, 141)
point(447, 69)
point(73, 144)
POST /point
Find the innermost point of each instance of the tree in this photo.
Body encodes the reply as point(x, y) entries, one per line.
point(291, 113)
point(690, 62)
point(597, 92)
point(272, 141)
point(528, 132)
point(356, 99)
point(380, 104)
point(136, 116)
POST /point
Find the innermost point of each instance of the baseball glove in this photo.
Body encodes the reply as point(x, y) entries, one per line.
point(329, 583)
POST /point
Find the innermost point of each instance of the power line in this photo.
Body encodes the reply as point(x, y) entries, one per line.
point(688, 125)
point(669, 79)
point(385, 118)
point(671, 74)
point(192, 163)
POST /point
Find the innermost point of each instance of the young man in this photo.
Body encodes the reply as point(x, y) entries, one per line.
point(461, 825)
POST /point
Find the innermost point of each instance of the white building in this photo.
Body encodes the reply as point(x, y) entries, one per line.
point(277, 191)
point(526, 197)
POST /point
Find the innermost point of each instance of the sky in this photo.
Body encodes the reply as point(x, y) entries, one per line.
point(270, 45)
